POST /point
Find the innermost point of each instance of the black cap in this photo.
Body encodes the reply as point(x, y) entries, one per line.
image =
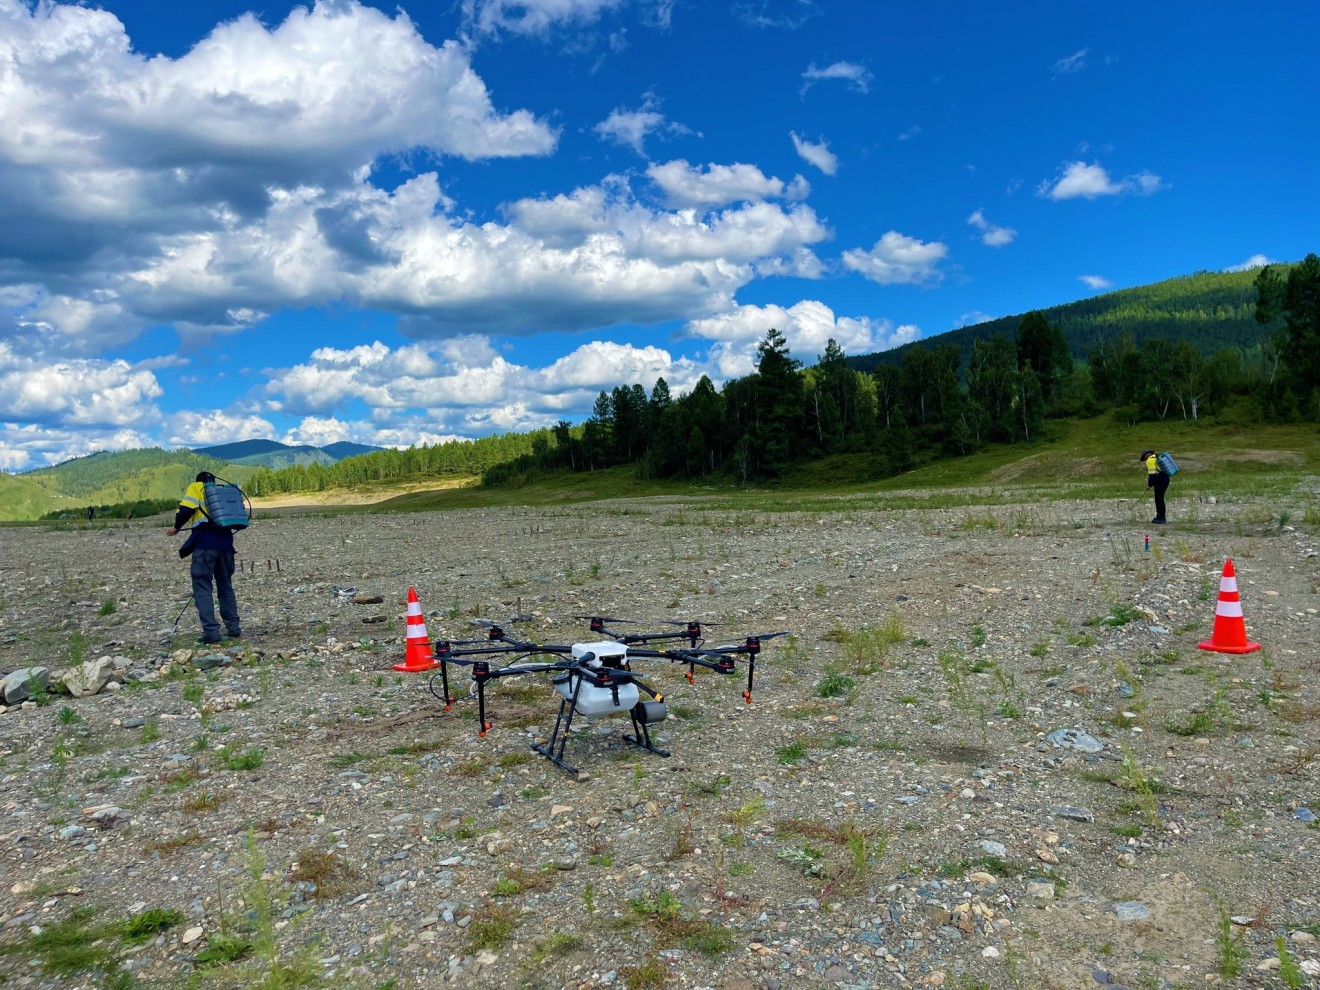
point(205, 477)
point(1145, 454)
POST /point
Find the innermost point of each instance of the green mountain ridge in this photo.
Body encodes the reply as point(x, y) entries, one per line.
point(108, 478)
point(1211, 310)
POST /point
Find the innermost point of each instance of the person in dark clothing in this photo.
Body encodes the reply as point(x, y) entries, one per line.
point(1158, 480)
point(91, 513)
point(212, 551)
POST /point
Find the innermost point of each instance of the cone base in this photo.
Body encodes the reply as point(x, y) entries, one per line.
point(1210, 644)
point(416, 668)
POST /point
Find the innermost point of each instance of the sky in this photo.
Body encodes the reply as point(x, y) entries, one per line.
point(405, 223)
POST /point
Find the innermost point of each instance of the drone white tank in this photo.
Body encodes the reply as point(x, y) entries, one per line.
point(593, 701)
point(607, 653)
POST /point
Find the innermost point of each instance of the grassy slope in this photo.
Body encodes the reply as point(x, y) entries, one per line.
point(22, 498)
point(70, 485)
point(1079, 459)
point(1083, 459)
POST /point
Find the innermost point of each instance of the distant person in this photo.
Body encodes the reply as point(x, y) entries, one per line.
point(91, 513)
point(1158, 480)
point(212, 551)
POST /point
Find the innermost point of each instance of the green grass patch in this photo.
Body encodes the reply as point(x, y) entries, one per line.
point(141, 928)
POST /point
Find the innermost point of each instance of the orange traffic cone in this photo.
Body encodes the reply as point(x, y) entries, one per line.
point(417, 653)
point(1230, 633)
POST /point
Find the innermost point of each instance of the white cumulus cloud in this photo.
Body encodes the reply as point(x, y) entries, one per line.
point(896, 259)
point(120, 181)
point(29, 445)
point(992, 235)
point(714, 185)
point(1096, 282)
point(631, 128)
point(816, 154)
point(462, 392)
point(77, 393)
point(807, 327)
point(1079, 180)
point(202, 429)
point(1255, 261)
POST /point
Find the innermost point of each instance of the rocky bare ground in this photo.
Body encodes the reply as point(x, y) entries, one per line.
point(898, 807)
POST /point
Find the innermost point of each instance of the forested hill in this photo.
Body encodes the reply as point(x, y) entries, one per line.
point(109, 478)
point(1210, 310)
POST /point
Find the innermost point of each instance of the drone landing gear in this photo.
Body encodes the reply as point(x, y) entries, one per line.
point(644, 714)
point(554, 749)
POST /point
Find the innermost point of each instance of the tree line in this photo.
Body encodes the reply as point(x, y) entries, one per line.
point(949, 399)
point(465, 458)
point(932, 403)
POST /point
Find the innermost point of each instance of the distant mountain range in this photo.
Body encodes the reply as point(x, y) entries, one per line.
point(273, 454)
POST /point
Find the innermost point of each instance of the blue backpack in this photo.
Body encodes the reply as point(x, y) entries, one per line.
point(225, 506)
point(1167, 464)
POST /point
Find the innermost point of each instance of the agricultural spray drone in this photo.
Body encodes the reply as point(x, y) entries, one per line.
point(593, 679)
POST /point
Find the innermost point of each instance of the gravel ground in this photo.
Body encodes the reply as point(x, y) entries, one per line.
point(897, 808)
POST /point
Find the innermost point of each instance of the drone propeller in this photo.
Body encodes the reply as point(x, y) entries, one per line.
point(606, 618)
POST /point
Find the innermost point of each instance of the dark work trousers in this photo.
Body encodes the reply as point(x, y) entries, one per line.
point(217, 566)
point(1160, 482)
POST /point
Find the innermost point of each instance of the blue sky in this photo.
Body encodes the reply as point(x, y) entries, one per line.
point(406, 223)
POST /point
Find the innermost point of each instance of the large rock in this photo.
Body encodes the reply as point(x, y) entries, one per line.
point(22, 684)
point(88, 678)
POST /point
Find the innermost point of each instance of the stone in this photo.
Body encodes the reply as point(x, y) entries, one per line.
point(1074, 814)
point(24, 683)
point(192, 935)
point(209, 661)
point(1131, 911)
point(89, 677)
point(1075, 739)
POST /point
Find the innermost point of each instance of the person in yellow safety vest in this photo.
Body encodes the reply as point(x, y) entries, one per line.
point(212, 551)
point(1158, 480)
